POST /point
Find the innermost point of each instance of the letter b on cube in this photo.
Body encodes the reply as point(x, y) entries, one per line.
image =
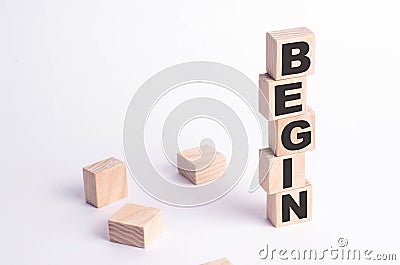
point(290, 53)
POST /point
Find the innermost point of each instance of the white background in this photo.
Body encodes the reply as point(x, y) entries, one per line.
point(68, 70)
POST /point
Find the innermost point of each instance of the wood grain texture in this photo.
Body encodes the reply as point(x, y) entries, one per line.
point(274, 206)
point(223, 261)
point(135, 225)
point(267, 99)
point(271, 171)
point(201, 166)
point(276, 127)
point(275, 40)
point(105, 182)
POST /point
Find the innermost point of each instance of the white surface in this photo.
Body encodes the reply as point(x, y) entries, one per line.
point(68, 71)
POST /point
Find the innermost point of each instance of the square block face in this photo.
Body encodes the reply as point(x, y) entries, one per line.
point(223, 261)
point(292, 135)
point(135, 225)
point(105, 182)
point(283, 98)
point(201, 165)
point(290, 53)
point(290, 207)
point(277, 174)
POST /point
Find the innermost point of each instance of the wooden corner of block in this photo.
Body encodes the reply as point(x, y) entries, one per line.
point(222, 261)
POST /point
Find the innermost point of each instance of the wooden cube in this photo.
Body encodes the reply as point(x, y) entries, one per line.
point(292, 135)
point(290, 53)
point(222, 261)
point(277, 174)
point(283, 98)
point(105, 182)
point(290, 207)
point(201, 165)
point(135, 225)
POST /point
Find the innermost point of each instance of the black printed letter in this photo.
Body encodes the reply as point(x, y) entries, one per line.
point(305, 136)
point(288, 58)
point(281, 98)
point(289, 203)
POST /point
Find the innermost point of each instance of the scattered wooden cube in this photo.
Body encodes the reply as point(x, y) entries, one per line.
point(201, 165)
point(290, 53)
point(292, 135)
point(277, 174)
point(222, 261)
point(105, 182)
point(135, 225)
point(290, 207)
point(281, 99)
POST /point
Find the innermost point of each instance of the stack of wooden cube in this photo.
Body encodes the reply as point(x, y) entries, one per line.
point(291, 125)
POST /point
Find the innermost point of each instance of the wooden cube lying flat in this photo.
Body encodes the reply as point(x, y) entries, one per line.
point(277, 174)
point(135, 225)
point(201, 165)
point(105, 182)
point(281, 99)
point(292, 135)
point(281, 206)
point(285, 47)
point(223, 261)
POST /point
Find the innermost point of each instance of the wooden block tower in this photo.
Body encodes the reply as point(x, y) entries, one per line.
point(282, 100)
